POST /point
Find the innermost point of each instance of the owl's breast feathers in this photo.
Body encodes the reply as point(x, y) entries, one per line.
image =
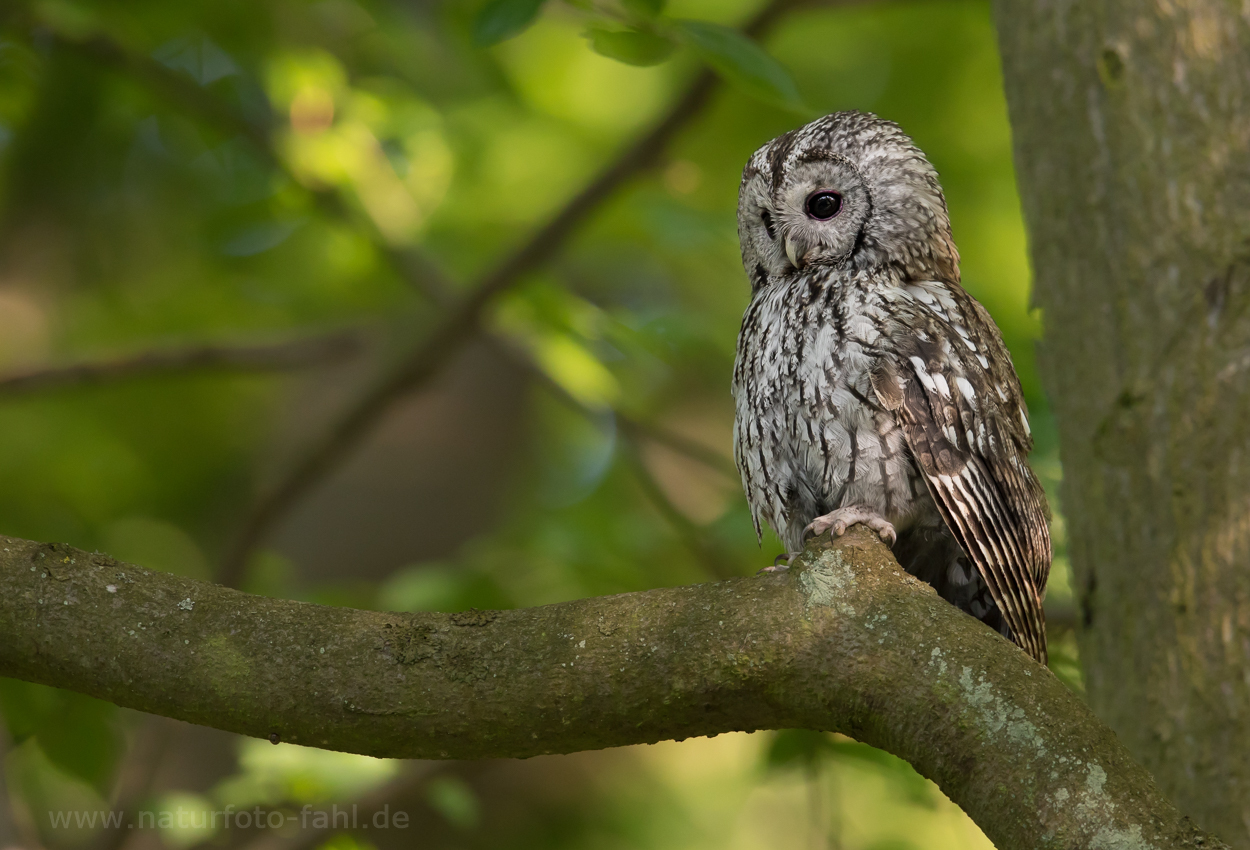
point(810, 435)
point(908, 366)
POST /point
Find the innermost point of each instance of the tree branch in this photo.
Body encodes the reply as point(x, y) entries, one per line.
point(274, 357)
point(843, 642)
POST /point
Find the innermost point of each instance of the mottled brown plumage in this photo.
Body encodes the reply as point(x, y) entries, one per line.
point(870, 386)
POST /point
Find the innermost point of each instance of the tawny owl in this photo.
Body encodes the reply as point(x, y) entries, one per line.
point(870, 387)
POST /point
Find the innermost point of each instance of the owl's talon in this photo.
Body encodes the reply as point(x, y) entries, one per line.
point(843, 518)
point(777, 566)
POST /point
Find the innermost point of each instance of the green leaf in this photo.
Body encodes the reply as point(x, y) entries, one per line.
point(903, 777)
point(500, 20)
point(797, 748)
point(454, 799)
point(77, 733)
point(741, 61)
point(85, 741)
point(23, 704)
point(633, 47)
point(645, 8)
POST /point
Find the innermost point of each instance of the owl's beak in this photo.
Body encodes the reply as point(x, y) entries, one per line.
point(792, 251)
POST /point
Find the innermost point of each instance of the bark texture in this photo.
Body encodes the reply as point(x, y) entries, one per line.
point(1132, 140)
point(844, 642)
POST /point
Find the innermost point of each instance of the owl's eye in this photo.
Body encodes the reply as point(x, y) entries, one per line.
point(823, 206)
point(767, 218)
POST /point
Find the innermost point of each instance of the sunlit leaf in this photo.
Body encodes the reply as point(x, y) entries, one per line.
point(452, 798)
point(910, 785)
point(269, 775)
point(194, 823)
point(741, 61)
point(892, 844)
point(633, 47)
point(500, 20)
point(555, 328)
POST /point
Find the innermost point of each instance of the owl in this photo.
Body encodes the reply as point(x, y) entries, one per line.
point(870, 387)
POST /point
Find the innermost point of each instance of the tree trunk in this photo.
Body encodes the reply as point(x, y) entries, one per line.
point(1132, 143)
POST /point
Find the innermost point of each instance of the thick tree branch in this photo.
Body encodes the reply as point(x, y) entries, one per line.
point(274, 357)
point(843, 642)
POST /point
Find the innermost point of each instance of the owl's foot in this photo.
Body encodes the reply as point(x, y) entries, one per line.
point(779, 567)
point(843, 518)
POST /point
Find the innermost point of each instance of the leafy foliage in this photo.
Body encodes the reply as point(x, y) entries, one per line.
point(631, 46)
point(741, 60)
point(78, 734)
point(502, 19)
point(256, 172)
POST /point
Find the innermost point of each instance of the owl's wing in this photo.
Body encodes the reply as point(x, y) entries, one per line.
point(958, 400)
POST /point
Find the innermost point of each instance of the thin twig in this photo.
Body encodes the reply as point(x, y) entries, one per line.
point(274, 357)
point(641, 431)
point(460, 325)
point(690, 533)
point(135, 779)
point(681, 444)
point(694, 538)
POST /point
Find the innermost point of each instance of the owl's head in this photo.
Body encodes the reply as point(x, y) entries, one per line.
point(849, 190)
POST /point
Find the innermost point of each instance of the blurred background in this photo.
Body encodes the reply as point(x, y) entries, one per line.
point(236, 245)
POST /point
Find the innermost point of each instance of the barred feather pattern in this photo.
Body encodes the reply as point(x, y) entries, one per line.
point(866, 375)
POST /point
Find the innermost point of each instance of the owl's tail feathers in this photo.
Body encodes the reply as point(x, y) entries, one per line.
point(931, 554)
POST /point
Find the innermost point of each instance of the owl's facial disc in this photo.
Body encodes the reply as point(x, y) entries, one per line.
point(763, 252)
point(825, 203)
